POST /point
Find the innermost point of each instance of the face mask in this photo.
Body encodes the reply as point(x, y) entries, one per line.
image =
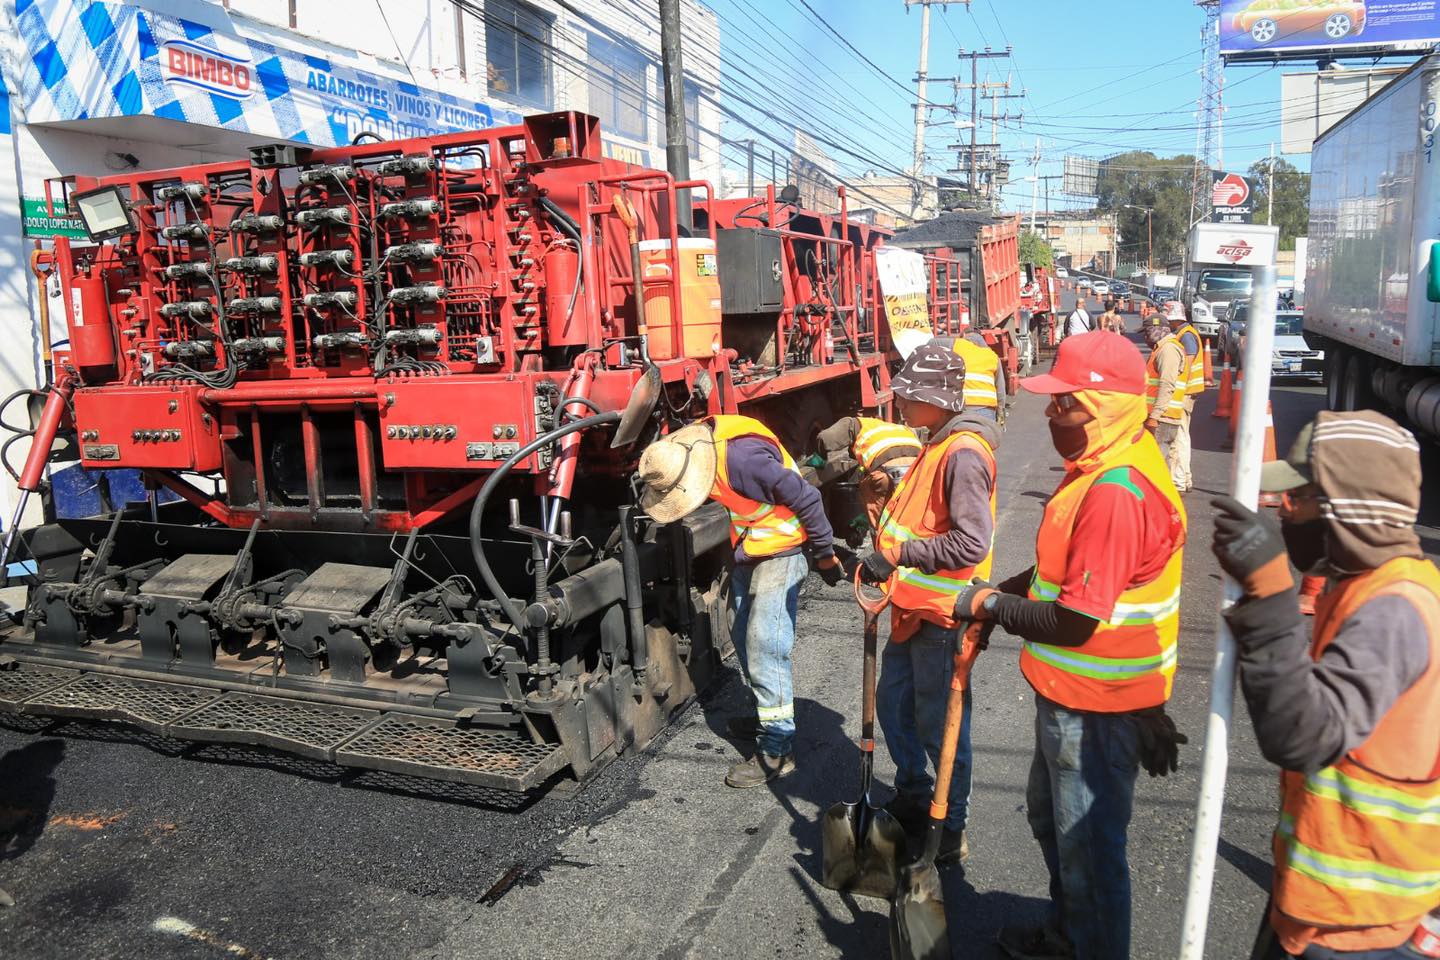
point(1305, 542)
point(1070, 442)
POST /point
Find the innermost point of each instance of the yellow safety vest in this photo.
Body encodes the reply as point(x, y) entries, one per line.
point(1129, 661)
point(1195, 382)
point(877, 438)
point(1358, 844)
point(1175, 408)
point(766, 528)
point(981, 367)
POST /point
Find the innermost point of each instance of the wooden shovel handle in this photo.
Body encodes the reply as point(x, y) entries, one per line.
point(872, 607)
point(954, 715)
point(867, 696)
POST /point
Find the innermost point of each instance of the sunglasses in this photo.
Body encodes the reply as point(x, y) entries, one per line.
point(1065, 402)
point(1291, 499)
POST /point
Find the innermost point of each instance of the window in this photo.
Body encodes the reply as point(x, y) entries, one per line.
point(617, 87)
point(517, 45)
point(692, 118)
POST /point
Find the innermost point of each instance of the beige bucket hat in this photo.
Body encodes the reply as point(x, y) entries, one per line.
point(678, 471)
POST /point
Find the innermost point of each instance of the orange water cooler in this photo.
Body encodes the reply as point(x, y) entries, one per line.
point(699, 320)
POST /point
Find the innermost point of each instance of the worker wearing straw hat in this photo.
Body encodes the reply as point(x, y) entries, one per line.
point(1350, 712)
point(776, 521)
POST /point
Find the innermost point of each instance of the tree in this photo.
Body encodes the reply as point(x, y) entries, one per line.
point(1144, 180)
point(1292, 198)
point(1035, 250)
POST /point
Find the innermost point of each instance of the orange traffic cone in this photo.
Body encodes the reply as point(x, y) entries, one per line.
point(1235, 403)
point(1310, 588)
point(1209, 370)
point(1227, 389)
point(1269, 499)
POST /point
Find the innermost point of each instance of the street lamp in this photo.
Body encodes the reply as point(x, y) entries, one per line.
point(1149, 238)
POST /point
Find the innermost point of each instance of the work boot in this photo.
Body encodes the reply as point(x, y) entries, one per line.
point(759, 770)
point(954, 848)
point(910, 810)
point(743, 728)
point(1034, 943)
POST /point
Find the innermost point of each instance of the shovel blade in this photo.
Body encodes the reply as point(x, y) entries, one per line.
point(882, 850)
point(918, 930)
point(638, 409)
point(840, 846)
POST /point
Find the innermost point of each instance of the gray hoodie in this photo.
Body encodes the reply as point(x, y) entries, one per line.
point(967, 495)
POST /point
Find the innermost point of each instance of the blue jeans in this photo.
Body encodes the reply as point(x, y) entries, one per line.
point(764, 597)
point(910, 704)
point(1267, 947)
point(1079, 798)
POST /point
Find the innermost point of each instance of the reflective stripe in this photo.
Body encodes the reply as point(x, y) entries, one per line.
point(1102, 668)
point(1373, 799)
point(932, 581)
point(786, 711)
point(1349, 874)
point(1044, 590)
point(1131, 614)
point(900, 532)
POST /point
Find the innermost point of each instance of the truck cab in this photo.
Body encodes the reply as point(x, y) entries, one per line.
point(1209, 290)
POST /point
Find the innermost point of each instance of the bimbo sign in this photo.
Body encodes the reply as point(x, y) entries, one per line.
point(191, 64)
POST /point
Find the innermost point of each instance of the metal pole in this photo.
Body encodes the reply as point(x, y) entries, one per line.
point(1270, 190)
point(1149, 242)
point(677, 142)
point(750, 168)
point(1245, 487)
point(974, 120)
point(921, 113)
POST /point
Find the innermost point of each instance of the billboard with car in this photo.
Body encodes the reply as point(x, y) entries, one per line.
point(1277, 29)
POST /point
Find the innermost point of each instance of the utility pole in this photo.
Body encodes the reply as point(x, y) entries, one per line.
point(1035, 183)
point(974, 86)
point(677, 143)
point(1270, 190)
point(750, 168)
point(992, 91)
point(922, 106)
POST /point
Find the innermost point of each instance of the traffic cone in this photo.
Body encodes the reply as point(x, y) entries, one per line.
point(1227, 389)
point(1269, 499)
point(1235, 403)
point(1209, 370)
point(1310, 589)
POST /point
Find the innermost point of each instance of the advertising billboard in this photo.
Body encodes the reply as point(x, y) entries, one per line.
point(1232, 198)
point(1300, 29)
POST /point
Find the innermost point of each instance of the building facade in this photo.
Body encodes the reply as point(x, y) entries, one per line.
point(94, 88)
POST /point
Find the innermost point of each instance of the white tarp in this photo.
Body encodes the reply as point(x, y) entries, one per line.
point(905, 288)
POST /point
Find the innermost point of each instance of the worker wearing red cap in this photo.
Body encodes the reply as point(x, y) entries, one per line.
point(1100, 614)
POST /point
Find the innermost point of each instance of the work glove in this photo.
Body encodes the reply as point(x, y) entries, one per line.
point(970, 601)
point(830, 570)
point(1251, 549)
point(1159, 741)
point(1151, 425)
point(877, 566)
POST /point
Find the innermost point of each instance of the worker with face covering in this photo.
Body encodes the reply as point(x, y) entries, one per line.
point(1100, 615)
point(1352, 715)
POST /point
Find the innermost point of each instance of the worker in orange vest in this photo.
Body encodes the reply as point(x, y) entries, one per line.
point(1193, 345)
point(878, 451)
point(1352, 716)
point(935, 537)
point(776, 521)
point(1100, 615)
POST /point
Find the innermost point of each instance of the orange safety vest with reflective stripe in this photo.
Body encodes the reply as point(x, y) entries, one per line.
point(1195, 382)
point(1175, 408)
point(981, 367)
point(1358, 844)
point(879, 437)
point(766, 528)
point(1129, 661)
point(919, 510)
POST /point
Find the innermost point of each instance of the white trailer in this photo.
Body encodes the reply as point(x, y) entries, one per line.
point(1371, 283)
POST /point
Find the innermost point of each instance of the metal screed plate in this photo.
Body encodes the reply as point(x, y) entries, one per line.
point(97, 696)
point(307, 729)
point(441, 751)
point(19, 685)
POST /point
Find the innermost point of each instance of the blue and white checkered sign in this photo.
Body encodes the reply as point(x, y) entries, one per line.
point(89, 59)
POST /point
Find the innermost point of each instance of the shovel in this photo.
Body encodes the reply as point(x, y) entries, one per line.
point(862, 844)
point(917, 915)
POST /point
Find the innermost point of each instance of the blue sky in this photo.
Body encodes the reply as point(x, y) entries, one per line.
point(1099, 78)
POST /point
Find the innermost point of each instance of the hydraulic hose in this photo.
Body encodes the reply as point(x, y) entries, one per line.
point(513, 611)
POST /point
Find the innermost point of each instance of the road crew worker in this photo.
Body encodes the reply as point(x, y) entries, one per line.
point(984, 377)
point(935, 536)
point(1099, 613)
point(878, 451)
point(1166, 377)
point(1352, 716)
point(776, 519)
point(1190, 341)
point(1110, 319)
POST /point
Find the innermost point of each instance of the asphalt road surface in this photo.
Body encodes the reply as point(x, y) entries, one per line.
point(117, 844)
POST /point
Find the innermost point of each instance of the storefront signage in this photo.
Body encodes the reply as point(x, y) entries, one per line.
point(209, 70)
point(39, 223)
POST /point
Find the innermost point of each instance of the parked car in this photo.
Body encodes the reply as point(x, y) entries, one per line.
point(1101, 288)
point(1062, 273)
point(1083, 283)
point(1291, 356)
